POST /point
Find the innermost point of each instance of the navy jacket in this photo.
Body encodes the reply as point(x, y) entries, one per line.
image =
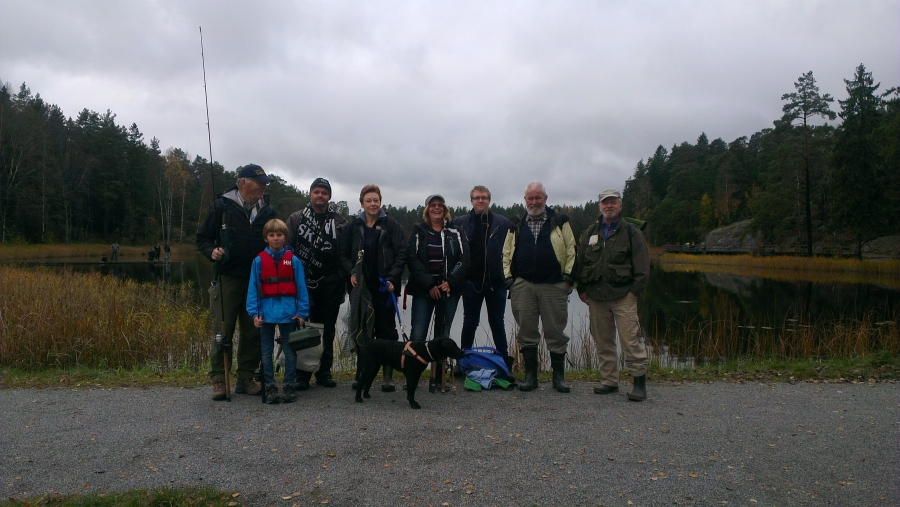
point(494, 251)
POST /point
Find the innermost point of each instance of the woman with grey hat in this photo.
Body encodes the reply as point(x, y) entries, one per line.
point(438, 258)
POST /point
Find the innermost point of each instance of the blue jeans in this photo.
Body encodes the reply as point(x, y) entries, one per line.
point(267, 343)
point(496, 311)
point(422, 309)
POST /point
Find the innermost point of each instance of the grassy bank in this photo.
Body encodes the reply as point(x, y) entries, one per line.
point(877, 367)
point(883, 272)
point(52, 319)
point(168, 497)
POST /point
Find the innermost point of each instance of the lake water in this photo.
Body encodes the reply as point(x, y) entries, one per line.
point(673, 305)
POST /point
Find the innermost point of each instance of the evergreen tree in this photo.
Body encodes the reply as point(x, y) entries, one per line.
point(859, 191)
point(803, 105)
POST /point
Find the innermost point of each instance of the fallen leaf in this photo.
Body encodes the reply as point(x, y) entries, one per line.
point(331, 454)
point(287, 497)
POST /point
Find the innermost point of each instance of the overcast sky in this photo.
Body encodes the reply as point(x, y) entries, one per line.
point(426, 97)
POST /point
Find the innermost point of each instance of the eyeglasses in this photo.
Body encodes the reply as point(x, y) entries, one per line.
point(481, 198)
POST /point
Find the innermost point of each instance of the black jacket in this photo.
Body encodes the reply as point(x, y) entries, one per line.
point(241, 239)
point(456, 260)
point(495, 238)
point(391, 243)
point(317, 245)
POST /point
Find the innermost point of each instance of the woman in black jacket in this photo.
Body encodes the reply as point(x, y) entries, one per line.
point(438, 259)
point(383, 243)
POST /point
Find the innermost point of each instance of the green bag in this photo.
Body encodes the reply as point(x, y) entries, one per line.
point(307, 336)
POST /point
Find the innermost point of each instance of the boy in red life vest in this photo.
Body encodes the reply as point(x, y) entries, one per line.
point(277, 297)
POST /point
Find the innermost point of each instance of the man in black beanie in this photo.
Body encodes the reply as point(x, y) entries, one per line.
point(315, 233)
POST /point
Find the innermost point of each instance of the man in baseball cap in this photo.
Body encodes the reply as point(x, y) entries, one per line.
point(614, 266)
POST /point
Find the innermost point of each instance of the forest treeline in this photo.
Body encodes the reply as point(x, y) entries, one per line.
point(801, 181)
point(86, 178)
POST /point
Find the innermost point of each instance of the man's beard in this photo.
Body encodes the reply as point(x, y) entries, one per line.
point(535, 211)
point(610, 215)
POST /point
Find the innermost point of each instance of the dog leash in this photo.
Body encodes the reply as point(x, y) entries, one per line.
point(392, 301)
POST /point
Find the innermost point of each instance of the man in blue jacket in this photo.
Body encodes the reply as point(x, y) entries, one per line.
point(486, 232)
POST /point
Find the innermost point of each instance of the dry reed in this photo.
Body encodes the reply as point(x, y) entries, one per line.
point(63, 319)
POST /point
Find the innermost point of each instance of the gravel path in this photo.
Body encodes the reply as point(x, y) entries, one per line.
point(689, 444)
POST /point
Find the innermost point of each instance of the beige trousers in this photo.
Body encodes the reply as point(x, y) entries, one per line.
point(606, 318)
point(547, 302)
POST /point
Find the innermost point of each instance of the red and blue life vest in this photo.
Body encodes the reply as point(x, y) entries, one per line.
point(277, 276)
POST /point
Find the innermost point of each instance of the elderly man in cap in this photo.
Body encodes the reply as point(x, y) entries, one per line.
point(315, 235)
point(538, 259)
point(613, 269)
point(232, 236)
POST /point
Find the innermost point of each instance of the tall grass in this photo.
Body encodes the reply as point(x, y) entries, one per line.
point(720, 337)
point(63, 319)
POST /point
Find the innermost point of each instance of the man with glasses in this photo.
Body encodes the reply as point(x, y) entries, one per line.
point(538, 259)
point(486, 231)
point(314, 234)
point(232, 236)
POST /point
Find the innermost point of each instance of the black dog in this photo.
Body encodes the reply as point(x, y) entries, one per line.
point(409, 357)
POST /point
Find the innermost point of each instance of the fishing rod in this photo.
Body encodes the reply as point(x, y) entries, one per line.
point(222, 341)
point(212, 178)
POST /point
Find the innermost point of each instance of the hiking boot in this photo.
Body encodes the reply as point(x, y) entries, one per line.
point(248, 386)
point(509, 360)
point(325, 379)
point(302, 380)
point(639, 393)
point(272, 394)
point(605, 389)
point(219, 393)
point(530, 356)
point(288, 395)
point(558, 362)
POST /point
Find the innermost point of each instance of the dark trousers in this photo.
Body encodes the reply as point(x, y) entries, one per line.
point(325, 301)
point(385, 316)
point(496, 311)
point(233, 291)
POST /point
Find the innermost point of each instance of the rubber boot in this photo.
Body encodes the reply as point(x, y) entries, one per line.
point(531, 366)
point(558, 362)
point(509, 360)
point(387, 382)
point(639, 393)
point(302, 383)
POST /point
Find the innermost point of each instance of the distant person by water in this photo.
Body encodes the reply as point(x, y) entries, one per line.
point(114, 252)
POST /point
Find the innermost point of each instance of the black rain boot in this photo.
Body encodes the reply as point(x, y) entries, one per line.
point(302, 383)
point(558, 362)
point(387, 382)
point(509, 360)
point(639, 393)
point(530, 356)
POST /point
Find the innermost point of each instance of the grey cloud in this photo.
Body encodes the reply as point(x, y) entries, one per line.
point(426, 97)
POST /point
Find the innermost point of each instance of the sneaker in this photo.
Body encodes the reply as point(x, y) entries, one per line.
point(219, 393)
point(325, 380)
point(248, 386)
point(288, 394)
point(272, 394)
